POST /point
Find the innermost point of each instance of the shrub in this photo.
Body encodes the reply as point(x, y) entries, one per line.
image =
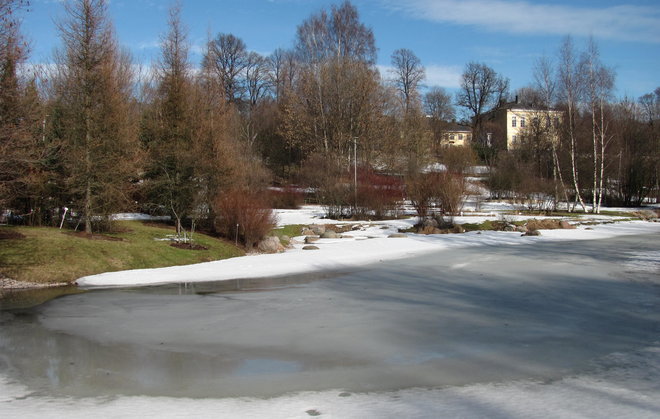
point(378, 195)
point(243, 216)
point(286, 198)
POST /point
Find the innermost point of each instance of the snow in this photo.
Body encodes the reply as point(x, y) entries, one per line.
point(369, 245)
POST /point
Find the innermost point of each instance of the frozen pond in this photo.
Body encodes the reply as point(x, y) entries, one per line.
point(452, 318)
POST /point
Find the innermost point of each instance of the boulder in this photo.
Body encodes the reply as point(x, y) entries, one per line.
point(310, 247)
point(430, 230)
point(566, 225)
point(270, 244)
point(308, 232)
point(521, 229)
point(509, 227)
point(532, 233)
point(458, 229)
point(430, 223)
point(329, 234)
point(311, 239)
point(318, 229)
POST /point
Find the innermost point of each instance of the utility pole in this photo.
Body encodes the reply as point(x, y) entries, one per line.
point(355, 168)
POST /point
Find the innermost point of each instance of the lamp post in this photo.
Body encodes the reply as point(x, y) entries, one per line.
point(355, 169)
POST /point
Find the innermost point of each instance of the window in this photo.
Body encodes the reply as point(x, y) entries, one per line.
point(514, 138)
point(460, 136)
point(556, 122)
point(522, 122)
point(451, 137)
point(513, 121)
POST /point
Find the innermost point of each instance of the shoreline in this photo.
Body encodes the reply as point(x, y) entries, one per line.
point(338, 254)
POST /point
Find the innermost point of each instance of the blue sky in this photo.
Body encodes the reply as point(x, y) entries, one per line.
point(445, 34)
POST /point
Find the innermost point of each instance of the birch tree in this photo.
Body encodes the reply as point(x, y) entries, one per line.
point(546, 85)
point(599, 82)
point(570, 90)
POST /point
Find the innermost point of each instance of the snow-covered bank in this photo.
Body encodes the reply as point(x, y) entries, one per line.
point(366, 246)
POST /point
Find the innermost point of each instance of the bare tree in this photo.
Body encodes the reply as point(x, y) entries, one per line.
point(227, 58)
point(282, 70)
point(438, 104)
point(338, 34)
point(337, 83)
point(481, 90)
point(408, 74)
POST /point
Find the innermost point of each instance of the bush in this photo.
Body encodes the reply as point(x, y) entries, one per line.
point(243, 216)
point(286, 198)
point(378, 195)
point(435, 191)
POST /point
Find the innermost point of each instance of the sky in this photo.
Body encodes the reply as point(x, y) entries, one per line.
point(509, 36)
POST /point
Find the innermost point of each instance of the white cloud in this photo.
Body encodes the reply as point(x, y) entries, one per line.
point(625, 22)
point(443, 76)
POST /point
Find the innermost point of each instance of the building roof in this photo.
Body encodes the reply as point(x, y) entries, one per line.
point(454, 127)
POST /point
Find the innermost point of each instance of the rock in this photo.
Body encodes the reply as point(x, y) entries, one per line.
point(345, 236)
point(311, 239)
point(509, 227)
point(430, 223)
point(270, 244)
point(308, 232)
point(431, 230)
point(318, 229)
point(329, 234)
point(458, 229)
point(521, 229)
point(397, 236)
point(310, 247)
point(532, 233)
point(566, 225)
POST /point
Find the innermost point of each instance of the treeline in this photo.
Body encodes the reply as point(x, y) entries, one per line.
point(203, 143)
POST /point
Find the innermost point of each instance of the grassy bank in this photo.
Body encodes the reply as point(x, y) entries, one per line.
point(48, 255)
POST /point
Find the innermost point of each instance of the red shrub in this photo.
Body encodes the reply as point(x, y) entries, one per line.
point(243, 216)
point(286, 198)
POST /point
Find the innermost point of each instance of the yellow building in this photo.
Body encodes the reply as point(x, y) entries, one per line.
point(456, 135)
point(512, 123)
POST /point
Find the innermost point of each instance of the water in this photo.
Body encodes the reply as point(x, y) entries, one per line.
point(452, 318)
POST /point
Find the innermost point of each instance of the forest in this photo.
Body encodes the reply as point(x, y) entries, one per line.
point(216, 145)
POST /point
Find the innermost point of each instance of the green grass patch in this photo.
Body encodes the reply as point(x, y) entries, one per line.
point(290, 231)
point(49, 255)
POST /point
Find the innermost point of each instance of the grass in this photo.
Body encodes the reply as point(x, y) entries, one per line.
point(49, 255)
point(293, 230)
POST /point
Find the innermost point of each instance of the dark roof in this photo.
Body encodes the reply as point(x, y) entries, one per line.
point(521, 107)
point(456, 127)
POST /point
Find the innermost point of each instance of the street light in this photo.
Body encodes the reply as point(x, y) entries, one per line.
point(355, 168)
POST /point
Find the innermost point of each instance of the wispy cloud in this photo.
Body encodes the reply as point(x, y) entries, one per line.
point(443, 76)
point(624, 22)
